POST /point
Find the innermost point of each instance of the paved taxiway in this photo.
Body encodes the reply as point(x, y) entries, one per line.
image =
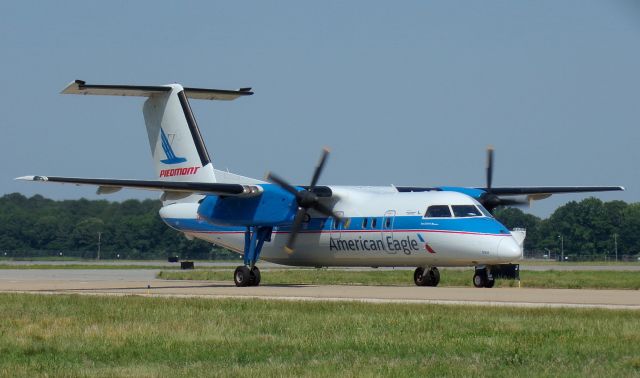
point(529, 265)
point(143, 282)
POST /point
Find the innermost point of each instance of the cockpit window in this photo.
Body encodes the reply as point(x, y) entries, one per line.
point(484, 211)
point(438, 211)
point(461, 211)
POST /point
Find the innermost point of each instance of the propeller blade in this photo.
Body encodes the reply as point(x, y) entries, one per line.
point(325, 210)
point(295, 229)
point(489, 167)
point(319, 168)
point(271, 177)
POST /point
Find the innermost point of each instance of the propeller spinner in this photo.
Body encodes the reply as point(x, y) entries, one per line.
point(306, 199)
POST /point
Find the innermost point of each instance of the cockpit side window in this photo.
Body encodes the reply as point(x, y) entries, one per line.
point(462, 211)
point(485, 212)
point(438, 211)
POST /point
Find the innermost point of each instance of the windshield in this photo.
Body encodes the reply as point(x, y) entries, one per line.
point(461, 211)
point(438, 211)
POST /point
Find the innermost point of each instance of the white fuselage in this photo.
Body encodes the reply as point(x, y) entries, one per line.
point(381, 227)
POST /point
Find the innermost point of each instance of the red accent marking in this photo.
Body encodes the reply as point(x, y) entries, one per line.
point(428, 248)
point(179, 171)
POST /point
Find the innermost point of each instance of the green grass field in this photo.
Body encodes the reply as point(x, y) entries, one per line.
point(537, 262)
point(85, 266)
point(448, 277)
point(66, 335)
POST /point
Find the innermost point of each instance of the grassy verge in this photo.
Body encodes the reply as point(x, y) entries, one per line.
point(134, 336)
point(84, 266)
point(542, 279)
point(578, 263)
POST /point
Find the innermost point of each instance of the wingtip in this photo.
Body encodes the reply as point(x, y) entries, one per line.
point(24, 178)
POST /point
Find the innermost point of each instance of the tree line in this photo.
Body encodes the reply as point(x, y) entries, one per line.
point(589, 227)
point(133, 229)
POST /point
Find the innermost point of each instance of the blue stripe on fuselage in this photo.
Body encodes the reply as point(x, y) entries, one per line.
point(475, 225)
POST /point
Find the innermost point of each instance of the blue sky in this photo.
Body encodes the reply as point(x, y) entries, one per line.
point(404, 93)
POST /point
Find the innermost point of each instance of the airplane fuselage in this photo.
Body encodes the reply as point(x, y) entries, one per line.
point(380, 227)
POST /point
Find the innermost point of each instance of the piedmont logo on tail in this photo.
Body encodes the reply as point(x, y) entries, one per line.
point(173, 159)
point(178, 171)
point(171, 156)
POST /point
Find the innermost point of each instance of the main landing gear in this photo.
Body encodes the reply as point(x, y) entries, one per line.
point(429, 277)
point(249, 274)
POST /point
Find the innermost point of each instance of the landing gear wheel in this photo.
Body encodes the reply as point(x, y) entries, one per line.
point(480, 278)
point(490, 283)
point(429, 277)
point(419, 277)
point(255, 276)
point(242, 276)
point(436, 276)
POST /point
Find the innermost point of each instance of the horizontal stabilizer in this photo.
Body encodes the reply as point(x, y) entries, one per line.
point(112, 185)
point(82, 88)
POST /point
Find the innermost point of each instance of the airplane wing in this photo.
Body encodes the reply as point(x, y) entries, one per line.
point(492, 197)
point(515, 191)
point(106, 186)
point(522, 190)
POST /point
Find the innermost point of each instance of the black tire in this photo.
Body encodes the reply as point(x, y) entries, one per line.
point(436, 276)
point(255, 276)
point(490, 282)
point(417, 276)
point(242, 276)
point(480, 279)
point(426, 278)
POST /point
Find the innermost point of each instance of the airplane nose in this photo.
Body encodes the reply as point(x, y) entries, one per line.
point(509, 249)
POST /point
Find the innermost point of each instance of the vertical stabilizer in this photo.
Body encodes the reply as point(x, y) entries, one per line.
point(177, 147)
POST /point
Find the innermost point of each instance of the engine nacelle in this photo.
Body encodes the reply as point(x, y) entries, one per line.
point(273, 207)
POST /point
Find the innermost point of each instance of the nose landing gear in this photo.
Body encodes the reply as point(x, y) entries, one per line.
point(430, 277)
point(243, 276)
point(483, 278)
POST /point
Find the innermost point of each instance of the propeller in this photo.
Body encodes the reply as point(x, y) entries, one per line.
point(306, 199)
point(490, 200)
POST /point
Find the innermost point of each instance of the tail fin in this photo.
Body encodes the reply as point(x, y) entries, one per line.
point(178, 150)
point(179, 153)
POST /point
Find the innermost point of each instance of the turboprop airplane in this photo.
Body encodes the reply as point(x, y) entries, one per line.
point(313, 225)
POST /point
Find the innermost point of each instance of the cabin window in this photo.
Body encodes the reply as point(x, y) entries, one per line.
point(364, 223)
point(462, 211)
point(438, 211)
point(387, 223)
point(374, 222)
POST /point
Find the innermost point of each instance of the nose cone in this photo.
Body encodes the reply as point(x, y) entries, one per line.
point(509, 249)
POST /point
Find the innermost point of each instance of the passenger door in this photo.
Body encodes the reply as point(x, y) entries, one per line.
point(387, 228)
point(336, 227)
